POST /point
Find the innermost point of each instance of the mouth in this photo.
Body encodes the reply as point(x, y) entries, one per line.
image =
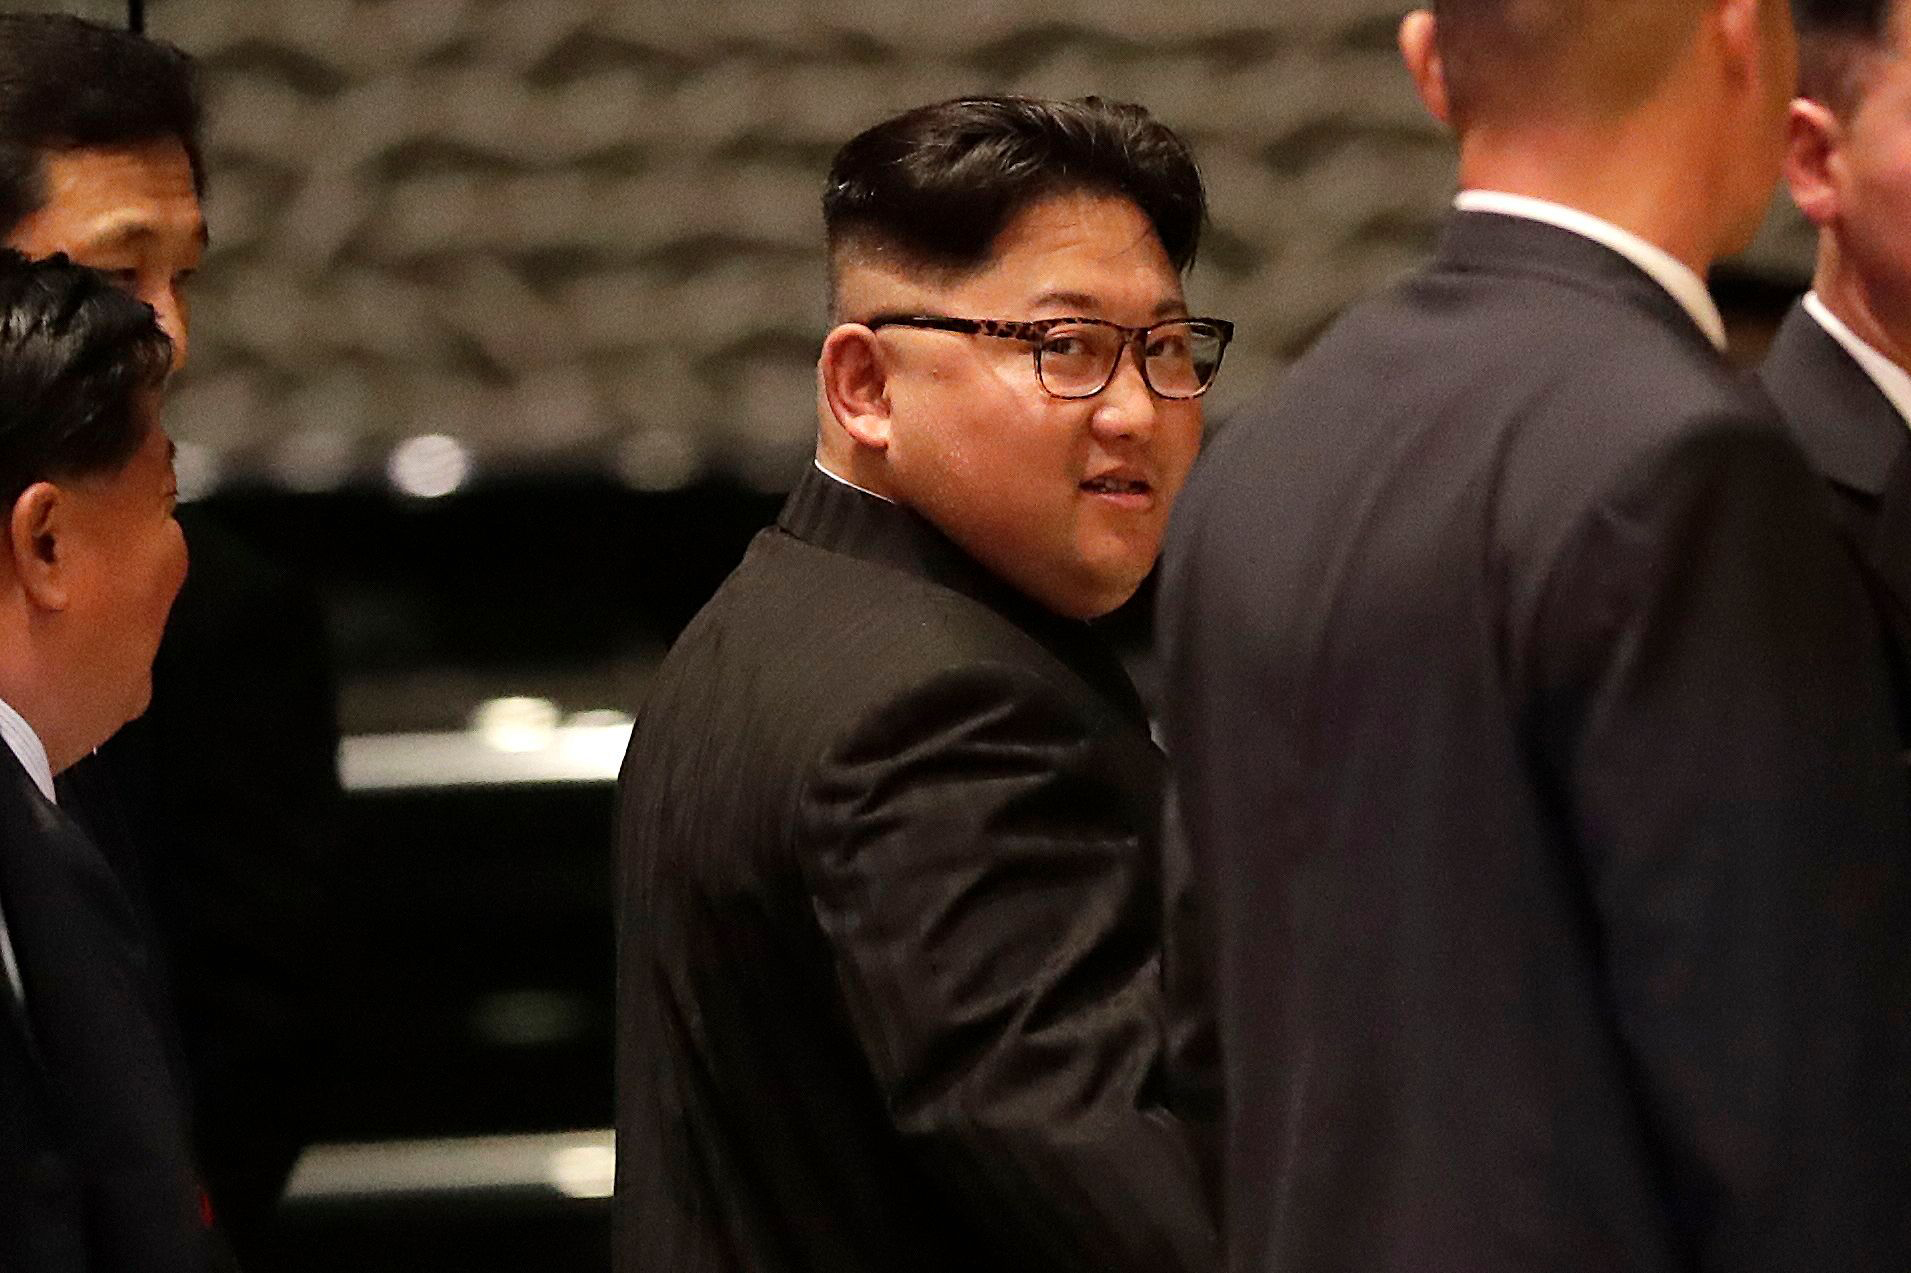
point(1118, 487)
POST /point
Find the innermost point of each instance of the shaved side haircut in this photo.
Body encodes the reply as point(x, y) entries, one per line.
point(1837, 41)
point(1510, 62)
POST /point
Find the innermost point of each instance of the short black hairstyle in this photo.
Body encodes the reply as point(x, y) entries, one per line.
point(938, 184)
point(76, 353)
point(1833, 35)
point(66, 83)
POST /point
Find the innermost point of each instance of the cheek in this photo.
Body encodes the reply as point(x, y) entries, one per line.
point(1181, 434)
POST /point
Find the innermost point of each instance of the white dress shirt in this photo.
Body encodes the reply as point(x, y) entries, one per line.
point(838, 477)
point(1661, 266)
point(1893, 381)
point(31, 753)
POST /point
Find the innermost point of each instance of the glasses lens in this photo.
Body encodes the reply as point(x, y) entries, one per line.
point(1183, 357)
point(1074, 361)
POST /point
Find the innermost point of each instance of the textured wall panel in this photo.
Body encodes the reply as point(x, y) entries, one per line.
point(584, 233)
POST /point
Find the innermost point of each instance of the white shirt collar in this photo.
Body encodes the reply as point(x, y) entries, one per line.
point(27, 747)
point(1665, 269)
point(839, 478)
point(1892, 380)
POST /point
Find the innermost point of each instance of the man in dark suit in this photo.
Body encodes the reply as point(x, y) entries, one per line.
point(1840, 369)
point(96, 1168)
point(1529, 726)
point(214, 807)
point(891, 973)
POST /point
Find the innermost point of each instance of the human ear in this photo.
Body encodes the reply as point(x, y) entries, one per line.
point(37, 528)
point(855, 382)
point(1420, 49)
point(1813, 160)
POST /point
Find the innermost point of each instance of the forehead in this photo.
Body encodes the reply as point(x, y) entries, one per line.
point(95, 197)
point(1065, 255)
point(1092, 245)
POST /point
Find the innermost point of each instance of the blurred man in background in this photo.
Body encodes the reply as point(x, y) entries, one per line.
point(96, 1162)
point(1840, 369)
point(1531, 728)
point(891, 983)
point(215, 805)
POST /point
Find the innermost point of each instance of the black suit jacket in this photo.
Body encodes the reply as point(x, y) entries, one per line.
point(1532, 734)
point(890, 966)
point(96, 1172)
point(216, 809)
point(1858, 442)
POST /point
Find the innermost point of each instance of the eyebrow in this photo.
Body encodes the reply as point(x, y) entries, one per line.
point(133, 229)
point(1167, 308)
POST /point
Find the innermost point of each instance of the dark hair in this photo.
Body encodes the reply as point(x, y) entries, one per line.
point(1832, 36)
point(75, 354)
point(68, 83)
point(938, 184)
point(1865, 19)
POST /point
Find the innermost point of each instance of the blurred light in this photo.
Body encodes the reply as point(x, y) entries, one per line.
point(584, 1171)
point(596, 741)
point(530, 1018)
point(197, 469)
point(315, 460)
point(659, 460)
point(516, 724)
point(429, 466)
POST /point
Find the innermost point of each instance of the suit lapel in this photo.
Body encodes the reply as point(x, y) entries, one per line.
point(17, 795)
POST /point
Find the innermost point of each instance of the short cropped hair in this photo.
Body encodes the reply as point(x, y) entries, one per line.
point(1833, 38)
point(1518, 60)
point(935, 187)
point(76, 354)
point(66, 83)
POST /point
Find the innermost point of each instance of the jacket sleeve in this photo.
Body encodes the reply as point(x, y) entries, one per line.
point(1717, 716)
point(995, 911)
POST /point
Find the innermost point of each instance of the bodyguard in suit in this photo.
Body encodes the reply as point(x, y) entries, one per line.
point(1840, 369)
point(214, 806)
point(96, 1169)
point(891, 974)
point(1530, 727)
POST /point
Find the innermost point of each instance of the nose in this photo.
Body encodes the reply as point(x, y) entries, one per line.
point(1127, 408)
point(171, 310)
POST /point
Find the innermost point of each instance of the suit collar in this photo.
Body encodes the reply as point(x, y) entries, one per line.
point(1852, 433)
point(1674, 275)
point(831, 514)
point(1495, 243)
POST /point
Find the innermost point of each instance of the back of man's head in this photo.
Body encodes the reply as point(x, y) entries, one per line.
point(66, 83)
point(1512, 62)
point(928, 192)
point(1835, 37)
point(76, 354)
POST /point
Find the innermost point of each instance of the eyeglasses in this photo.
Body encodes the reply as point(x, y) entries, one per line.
point(1077, 357)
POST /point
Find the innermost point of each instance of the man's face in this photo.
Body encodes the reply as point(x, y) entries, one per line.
point(1066, 500)
point(1869, 173)
point(130, 212)
point(128, 560)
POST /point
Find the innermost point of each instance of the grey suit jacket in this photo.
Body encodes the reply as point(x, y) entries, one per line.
point(1861, 446)
point(1532, 732)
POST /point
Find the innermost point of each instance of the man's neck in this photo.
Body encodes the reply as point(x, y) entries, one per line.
point(1603, 175)
point(1844, 292)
